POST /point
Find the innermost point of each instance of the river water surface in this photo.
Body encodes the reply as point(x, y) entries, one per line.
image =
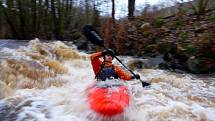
point(47, 82)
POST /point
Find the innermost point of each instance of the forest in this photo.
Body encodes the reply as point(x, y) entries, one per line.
point(50, 19)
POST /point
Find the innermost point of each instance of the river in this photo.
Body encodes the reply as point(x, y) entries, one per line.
point(47, 81)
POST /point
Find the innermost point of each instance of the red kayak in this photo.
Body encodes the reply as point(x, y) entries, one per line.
point(108, 99)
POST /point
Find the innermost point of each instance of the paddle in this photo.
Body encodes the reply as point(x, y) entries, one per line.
point(94, 36)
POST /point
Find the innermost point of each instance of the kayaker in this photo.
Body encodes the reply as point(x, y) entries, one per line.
point(104, 69)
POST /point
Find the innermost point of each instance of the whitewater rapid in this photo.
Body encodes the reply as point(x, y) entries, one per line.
point(48, 81)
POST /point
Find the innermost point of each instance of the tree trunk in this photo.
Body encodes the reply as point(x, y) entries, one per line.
point(131, 8)
point(39, 17)
point(47, 23)
point(87, 11)
point(9, 19)
point(34, 16)
point(24, 19)
point(55, 20)
point(96, 16)
point(113, 25)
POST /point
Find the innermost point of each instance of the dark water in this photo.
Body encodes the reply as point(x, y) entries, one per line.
point(13, 44)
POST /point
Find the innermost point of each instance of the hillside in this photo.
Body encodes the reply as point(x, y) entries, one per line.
point(186, 6)
point(186, 41)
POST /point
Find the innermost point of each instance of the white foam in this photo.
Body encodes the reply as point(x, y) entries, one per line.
point(172, 97)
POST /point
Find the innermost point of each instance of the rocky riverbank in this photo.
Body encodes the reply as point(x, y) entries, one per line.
point(186, 41)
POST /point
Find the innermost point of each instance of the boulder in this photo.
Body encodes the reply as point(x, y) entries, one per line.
point(200, 65)
point(145, 27)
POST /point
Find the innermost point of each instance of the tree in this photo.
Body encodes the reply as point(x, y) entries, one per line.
point(113, 24)
point(131, 8)
point(47, 19)
point(10, 17)
point(96, 14)
point(87, 7)
point(58, 19)
point(1, 19)
point(199, 6)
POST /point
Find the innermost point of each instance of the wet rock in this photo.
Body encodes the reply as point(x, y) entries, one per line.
point(165, 47)
point(199, 65)
point(145, 27)
point(137, 64)
point(152, 48)
point(155, 61)
point(146, 63)
point(81, 44)
point(164, 66)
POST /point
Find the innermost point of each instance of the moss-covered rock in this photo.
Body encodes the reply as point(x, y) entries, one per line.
point(190, 50)
point(77, 35)
point(200, 65)
point(165, 47)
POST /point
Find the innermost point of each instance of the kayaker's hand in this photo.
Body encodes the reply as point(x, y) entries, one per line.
point(108, 51)
point(136, 76)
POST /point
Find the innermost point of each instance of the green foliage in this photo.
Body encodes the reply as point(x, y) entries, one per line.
point(177, 23)
point(77, 35)
point(204, 43)
point(200, 7)
point(205, 40)
point(184, 11)
point(158, 22)
point(164, 47)
point(212, 18)
point(183, 36)
point(190, 49)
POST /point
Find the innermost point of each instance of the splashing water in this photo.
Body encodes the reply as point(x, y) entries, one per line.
point(48, 82)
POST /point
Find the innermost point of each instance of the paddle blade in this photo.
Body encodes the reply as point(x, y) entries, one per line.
point(145, 84)
point(92, 35)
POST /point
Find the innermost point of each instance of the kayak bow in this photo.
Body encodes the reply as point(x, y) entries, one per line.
point(108, 99)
